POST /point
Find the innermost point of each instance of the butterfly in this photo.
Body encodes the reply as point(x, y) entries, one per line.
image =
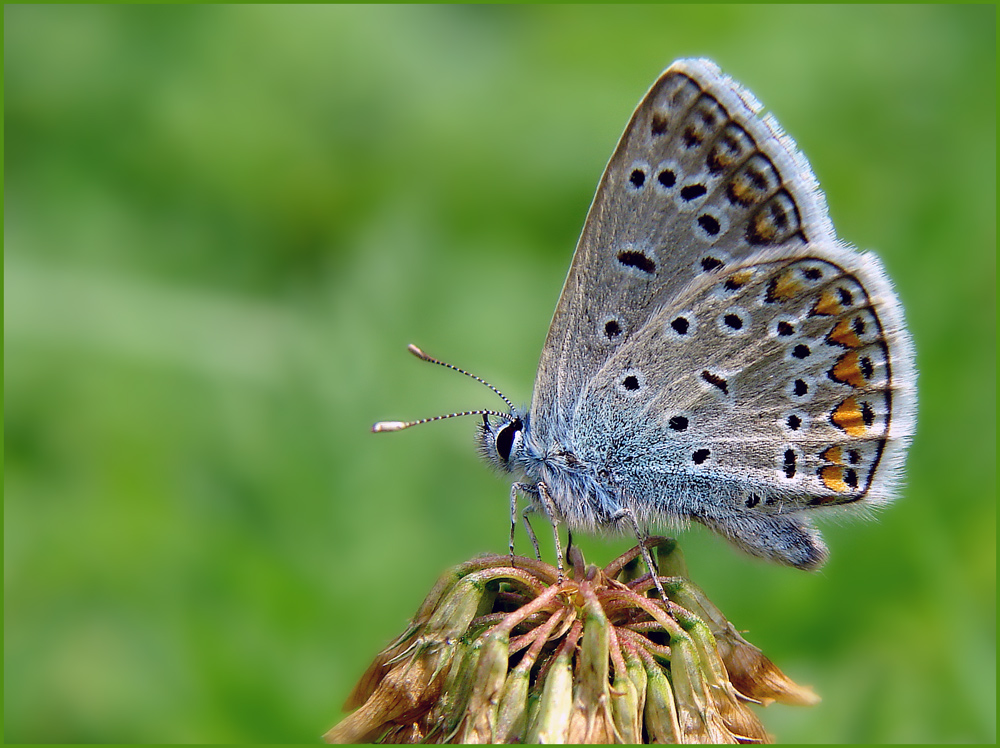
point(717, 355)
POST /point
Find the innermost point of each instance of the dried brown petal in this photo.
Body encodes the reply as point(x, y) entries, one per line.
point(401, 696)
point(754, 675)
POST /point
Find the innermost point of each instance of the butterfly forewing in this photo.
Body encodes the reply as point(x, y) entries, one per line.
point(699, 182)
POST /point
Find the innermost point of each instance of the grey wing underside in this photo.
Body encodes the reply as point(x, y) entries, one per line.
point(698, 181)
point(789, 378)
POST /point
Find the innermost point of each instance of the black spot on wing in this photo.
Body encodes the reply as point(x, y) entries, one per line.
point(716, 381)
point(639, 260)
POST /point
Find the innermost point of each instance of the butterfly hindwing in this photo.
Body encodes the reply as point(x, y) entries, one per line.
point(772, 381)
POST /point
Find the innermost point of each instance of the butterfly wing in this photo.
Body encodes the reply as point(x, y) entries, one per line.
point(698, 181)
point(781, 383)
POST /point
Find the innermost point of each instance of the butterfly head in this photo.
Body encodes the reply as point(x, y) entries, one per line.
point(500, 440)
point(500, 443)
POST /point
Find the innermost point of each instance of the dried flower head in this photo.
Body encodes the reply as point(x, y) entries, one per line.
point(501, 654)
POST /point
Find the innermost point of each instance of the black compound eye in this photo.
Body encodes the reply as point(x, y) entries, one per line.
point(505, 439)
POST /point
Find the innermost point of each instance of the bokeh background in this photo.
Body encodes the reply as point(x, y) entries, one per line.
point(222, 226)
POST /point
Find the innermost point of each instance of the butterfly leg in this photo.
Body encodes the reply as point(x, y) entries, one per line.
point(513, 519)
point(530, 490)
point(531, 532)
point(553, 516)
point(642, 536)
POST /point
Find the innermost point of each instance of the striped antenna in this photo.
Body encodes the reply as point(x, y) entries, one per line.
point(381, 426)
point(424, 357)
point(400, 425)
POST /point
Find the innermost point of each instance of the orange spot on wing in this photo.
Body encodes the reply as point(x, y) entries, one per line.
point(739, 278)
point(847, 416)
point(833, 478)
point(832, 454)
point(843, 334)
point(742, 190)
point(762, 227)
point(828, 304)
point(785, 287)
point(725, 154)
point(848, 371)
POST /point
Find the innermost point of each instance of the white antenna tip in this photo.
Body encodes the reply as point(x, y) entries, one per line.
point(416, 351)
point(389, 426)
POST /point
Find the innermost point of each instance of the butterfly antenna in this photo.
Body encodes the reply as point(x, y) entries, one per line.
point(423, 356)
point(400, 425)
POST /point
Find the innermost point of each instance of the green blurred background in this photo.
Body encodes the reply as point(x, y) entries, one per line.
point(222, 226)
